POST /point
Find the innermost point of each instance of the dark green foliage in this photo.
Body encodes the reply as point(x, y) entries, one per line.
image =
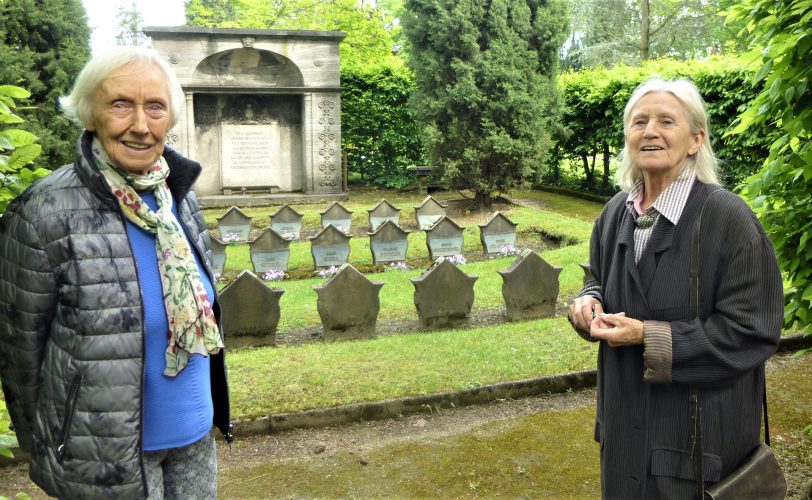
point(486, 95)
point(43, 46)
point(378, 133)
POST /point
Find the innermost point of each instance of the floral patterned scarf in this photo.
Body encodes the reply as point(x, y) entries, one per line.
point(192, 327)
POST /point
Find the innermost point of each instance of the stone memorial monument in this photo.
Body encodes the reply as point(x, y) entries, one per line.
point(348, 305)
point(331, 247)
point(234, 225)
point(218, 255)
point(389, 243)
point(250, 311)
point(338, 216)
point(381, 212)
point(287, 222)
point(270, 250)
point(444, 296)
point(428, 212)
point(530, 287)
point(444, 238)
point(263, 107)
point(498, 232)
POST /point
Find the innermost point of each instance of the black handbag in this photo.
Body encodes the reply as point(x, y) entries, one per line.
point(759, 476)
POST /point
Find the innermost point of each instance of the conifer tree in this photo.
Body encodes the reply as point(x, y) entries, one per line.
point(485, 72)
point(43, 46)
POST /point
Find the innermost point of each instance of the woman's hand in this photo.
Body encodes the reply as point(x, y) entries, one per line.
point(583, 310)
point(616, 329)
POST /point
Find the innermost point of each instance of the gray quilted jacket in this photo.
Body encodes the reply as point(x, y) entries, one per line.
point(71, 329)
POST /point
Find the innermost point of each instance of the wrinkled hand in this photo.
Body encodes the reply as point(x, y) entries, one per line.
point(583, 310)
point(616, 329)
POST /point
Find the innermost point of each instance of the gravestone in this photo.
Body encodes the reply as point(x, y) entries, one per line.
point(287, 222)
point(234, 224)
point(270, 251)
point(218, 255)
point(250, 311)
point(429, 212)
point(338, 216)
point(587, 271)
point(530, 287)
point(389, 243)
point(444, 295)
point(498, 232)
point(348, 305)
point(444, 238)
point(331, 247)
point(383, 211)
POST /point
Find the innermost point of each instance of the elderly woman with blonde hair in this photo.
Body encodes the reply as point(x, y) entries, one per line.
point(659, 341)
point(111, 355)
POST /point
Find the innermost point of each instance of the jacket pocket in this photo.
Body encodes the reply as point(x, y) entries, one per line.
point(677, 463)
point(70, 409)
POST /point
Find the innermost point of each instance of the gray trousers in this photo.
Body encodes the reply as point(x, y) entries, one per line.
point(189, 472)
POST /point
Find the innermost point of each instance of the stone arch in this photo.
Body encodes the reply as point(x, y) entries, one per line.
point(247, 67)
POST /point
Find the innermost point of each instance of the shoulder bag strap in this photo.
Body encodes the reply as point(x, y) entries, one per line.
point(695, 407)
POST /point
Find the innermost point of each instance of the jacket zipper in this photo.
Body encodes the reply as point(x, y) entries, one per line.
point(70, 409)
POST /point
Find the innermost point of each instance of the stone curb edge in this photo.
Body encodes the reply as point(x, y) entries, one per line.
point(377, 410)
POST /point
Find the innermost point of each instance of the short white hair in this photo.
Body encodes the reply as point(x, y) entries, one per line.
point(704, 161)
point(78, 105)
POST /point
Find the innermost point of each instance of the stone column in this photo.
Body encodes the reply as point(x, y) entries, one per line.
point(191, 143)
point(307, 142)
point(325, 150)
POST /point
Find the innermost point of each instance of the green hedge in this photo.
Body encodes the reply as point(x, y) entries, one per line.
point(378, 133)
point(380, 136)
point(593, 111)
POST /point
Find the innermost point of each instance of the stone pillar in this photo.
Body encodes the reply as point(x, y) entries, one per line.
point(307, 141)
point(190, 151)
point(325, 149)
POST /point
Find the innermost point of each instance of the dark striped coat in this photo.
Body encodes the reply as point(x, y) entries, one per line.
point(643, 428)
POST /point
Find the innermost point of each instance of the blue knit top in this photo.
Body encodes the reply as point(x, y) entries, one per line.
point(177, 411)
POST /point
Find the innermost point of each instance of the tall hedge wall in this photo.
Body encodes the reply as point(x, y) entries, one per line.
point(593, 113)
point(380, 136)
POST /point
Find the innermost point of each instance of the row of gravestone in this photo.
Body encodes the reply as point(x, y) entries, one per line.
point(348, 303)
point(331, 246)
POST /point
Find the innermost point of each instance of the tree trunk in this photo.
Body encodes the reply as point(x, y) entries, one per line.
point(587, 172)
point(644, 30)
point(606, 162)
point(483, 200)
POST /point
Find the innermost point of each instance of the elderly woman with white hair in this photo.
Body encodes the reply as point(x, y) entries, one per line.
point(663, 336)
point(111, 355)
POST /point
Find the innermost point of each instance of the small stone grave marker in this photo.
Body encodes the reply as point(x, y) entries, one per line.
point(287, 222)
point(270, 251)
point(331, 247)
point(218, 255)
point(348, 305)
point(444, 295)
point(444, 238)
point(338, 216)
point(250, 311)
point(383, 211)
point(234, 224)
point(530, 287)
point(498, 232)
point(389, 243)
point(429, 212)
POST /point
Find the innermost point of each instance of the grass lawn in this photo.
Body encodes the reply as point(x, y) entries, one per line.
point(292, 378)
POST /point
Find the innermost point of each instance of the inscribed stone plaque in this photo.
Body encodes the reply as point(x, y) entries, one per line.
point(426, 221)
point(375, 220)
point(292, 229)
point(389, 243)
point(429, 212)
point(250, 155)
point(383, 212)
point(343, 224)
point(234, 225)
point(444, 238)
point(330, 255)
point(337, 215)
point(240, 232)
point(493, 243)
point(265, 261)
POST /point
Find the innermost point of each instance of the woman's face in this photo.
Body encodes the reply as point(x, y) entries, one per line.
point(131, 116)
point(659, 136)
